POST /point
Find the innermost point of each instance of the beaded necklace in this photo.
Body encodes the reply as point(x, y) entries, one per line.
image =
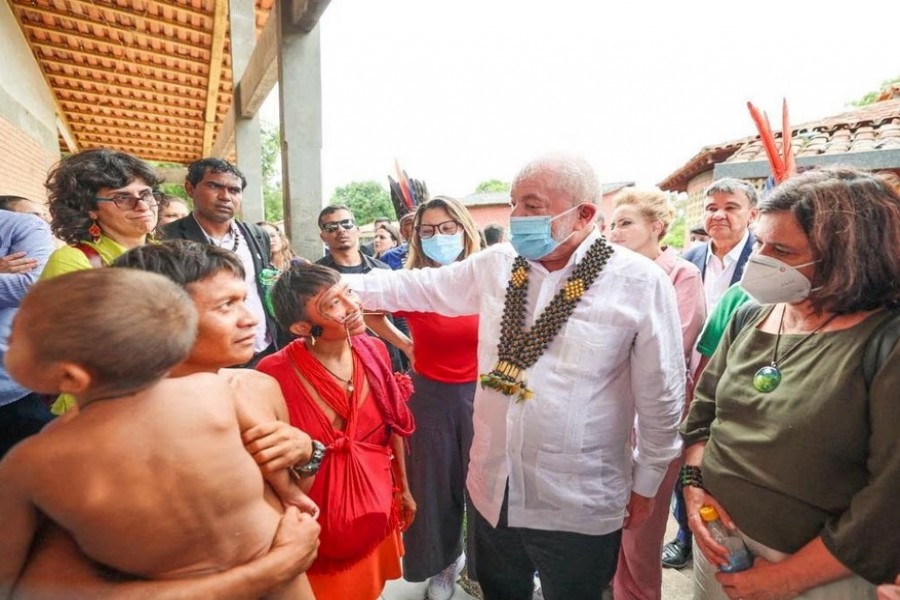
point(235, 235)
point(519, 348)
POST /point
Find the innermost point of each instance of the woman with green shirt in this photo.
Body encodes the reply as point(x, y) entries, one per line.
point(785, 436)
point(102, 204)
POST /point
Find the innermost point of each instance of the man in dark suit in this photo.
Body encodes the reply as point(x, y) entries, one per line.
point(729, 206)
point(216, 188)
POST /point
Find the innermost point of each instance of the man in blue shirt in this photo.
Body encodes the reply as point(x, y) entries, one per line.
point(25, 245)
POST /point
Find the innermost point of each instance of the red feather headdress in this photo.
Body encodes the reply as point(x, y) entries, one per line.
point(782, 164)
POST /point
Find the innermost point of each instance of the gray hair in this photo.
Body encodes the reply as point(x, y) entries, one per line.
point(573, 176)
point(730, 185)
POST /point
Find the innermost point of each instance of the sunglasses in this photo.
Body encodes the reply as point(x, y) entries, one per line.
point(333, 226)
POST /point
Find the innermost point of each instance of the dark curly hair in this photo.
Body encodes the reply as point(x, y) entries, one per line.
point(75, 180)
point(852, 220)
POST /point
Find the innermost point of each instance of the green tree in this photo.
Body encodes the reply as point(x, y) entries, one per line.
point(675, 235)
point(273, 198)
point(492, 185)
point(367, 200)
point(872, 96)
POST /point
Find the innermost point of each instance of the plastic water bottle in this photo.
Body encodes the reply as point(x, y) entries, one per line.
point(739, 557)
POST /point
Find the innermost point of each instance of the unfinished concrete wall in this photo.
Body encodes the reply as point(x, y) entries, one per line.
point(28, 135)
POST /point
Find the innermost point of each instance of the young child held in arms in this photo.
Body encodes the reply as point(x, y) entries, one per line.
point(150, 477)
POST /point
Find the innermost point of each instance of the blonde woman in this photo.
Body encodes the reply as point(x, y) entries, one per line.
point(641, 219)
point(282, 253)
point(445, 371)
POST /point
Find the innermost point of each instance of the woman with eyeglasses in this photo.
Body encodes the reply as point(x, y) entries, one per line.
point(102, 204)
point(444, 377)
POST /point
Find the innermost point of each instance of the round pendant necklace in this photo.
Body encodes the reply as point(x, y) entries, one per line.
point(348, 383)
point(769, 377)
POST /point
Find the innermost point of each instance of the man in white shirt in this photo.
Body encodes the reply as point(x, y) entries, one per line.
point(729, 206)
point(553, 475)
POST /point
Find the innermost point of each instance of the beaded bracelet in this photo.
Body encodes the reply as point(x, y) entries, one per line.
point(691, 475)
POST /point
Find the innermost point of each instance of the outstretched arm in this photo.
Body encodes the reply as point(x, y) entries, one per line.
point(383, 328)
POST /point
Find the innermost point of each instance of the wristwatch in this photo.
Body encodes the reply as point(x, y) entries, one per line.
point(315, 461)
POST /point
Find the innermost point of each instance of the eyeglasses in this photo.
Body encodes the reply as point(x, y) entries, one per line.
point(445, 228)
point(335, 225)
point(129, 202)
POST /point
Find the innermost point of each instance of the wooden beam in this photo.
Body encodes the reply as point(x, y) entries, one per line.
point(65, 132)
point(217, 54)
point(261, 73)
point(305, 14)
point(225, 137)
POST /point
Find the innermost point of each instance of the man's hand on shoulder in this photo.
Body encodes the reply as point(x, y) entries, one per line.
point(17, 262)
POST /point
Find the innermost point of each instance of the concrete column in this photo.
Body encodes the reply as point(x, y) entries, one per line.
point(300, 99)
point(242, 19)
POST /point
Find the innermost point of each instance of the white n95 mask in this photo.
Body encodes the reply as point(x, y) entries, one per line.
point(770, 281)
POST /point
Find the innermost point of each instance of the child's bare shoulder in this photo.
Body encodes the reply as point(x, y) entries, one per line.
point(248, 381)
point(200, 384)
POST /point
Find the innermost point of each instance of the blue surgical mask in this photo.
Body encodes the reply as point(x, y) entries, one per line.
point(443, 249)
point(532, 237)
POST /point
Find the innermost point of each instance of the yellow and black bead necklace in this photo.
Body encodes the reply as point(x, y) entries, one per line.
point(520, 348)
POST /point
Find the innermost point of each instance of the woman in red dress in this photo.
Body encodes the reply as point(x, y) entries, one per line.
point(339, 385)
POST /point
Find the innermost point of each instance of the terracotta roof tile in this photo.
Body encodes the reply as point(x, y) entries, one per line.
point(132, 74)
point(872, 127)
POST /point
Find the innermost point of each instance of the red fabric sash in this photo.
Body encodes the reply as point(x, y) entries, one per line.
point(354, 486)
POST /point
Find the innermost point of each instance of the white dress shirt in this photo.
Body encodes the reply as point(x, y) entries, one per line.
point(566, 452)
point(718, 274)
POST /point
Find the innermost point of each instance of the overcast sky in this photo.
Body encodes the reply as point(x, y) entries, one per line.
point(469, 90)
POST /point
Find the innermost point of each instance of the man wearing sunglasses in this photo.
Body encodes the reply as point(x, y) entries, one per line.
point(340, 234)
point(216, 188)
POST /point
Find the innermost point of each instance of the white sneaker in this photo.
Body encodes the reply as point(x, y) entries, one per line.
point(442, 585)
point(538, 592)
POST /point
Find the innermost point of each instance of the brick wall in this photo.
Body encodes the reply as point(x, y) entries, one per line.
point(23, 163)
point(497, 214)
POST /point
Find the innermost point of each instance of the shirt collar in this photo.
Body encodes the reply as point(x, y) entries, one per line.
point(734, 254)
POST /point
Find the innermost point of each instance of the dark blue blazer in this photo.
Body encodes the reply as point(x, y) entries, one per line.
point(697, 255)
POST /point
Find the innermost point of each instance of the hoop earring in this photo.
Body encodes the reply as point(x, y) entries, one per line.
point(94, 231)
point(313, 332)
